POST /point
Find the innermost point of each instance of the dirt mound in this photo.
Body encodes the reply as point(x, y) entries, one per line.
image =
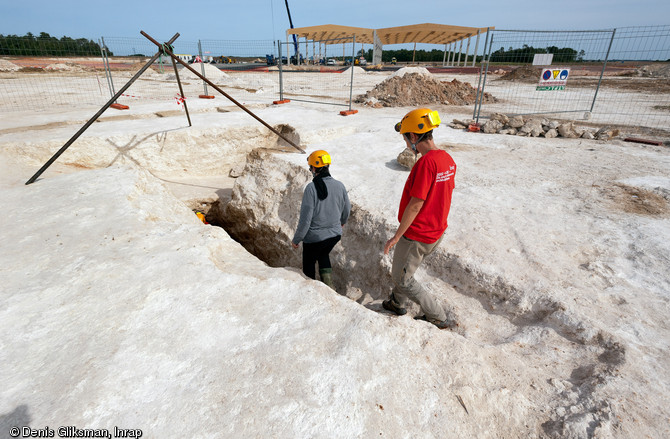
point(523, 73)
point(407, 70)
point(211, 72)
point(8, 66)
point(416, 89)
point(357, 71)
point(661, 70)
point(64, 67)
point(636, 200)
point(151, 72)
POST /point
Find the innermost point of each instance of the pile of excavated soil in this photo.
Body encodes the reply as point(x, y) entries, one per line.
point(151, 72)
point(655, 70)
point(64, 67)
point(8, 66)
point(523, 73)
point(211, 72)
point(414, 89)
point(357, 71)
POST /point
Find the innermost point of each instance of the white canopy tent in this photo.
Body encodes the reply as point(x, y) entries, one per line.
point(428, 33)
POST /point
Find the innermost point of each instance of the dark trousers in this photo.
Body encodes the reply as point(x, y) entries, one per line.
point(314, 252)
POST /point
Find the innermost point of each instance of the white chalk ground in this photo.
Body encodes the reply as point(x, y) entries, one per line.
point(118, 307)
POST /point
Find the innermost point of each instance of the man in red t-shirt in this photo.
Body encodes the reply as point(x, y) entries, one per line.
point(424, 207)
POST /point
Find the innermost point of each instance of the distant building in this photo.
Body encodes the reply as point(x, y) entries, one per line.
point(185, 58)
point(165, 59)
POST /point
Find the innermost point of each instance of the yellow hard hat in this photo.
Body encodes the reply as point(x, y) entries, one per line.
point(418, 121)
point(319, 159)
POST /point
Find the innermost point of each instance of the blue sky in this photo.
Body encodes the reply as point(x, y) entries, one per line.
point(267, 19)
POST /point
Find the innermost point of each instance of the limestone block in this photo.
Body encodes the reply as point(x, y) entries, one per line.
point(567, 130)
point(407, 158)
point(502, 118)
point(533, 128)
point(553, 124)
point(516, 122)
point(492, 126)
point(551, 133)
point(606, 133)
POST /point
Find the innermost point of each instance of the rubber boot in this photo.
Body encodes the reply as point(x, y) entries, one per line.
point(326, 275)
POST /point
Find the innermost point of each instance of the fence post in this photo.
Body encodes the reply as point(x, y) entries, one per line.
point(279, 63)
point(202, 68)
point(104, 64)
point(353, 63)
point(602, 72)
point(487, 57)
point(108, 70)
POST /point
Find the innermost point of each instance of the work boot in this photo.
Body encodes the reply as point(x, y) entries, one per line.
point(326, 276)
point(391, 305)
point(444, 324)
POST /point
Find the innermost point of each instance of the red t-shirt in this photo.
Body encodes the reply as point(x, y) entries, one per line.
point(432, 180)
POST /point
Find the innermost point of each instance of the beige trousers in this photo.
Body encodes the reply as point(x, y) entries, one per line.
point(407, 257)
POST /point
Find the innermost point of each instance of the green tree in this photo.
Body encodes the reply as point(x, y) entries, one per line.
point(46, 45)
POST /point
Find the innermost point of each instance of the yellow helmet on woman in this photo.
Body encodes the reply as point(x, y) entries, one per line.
point(319, 159)
point(418, 121)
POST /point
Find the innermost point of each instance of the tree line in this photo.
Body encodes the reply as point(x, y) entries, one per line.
point(524, 54)
point(46, 45)
point(407, 55)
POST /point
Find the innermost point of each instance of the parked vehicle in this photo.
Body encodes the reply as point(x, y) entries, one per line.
point(223, 59)
point(293, 59)
point(331, 62)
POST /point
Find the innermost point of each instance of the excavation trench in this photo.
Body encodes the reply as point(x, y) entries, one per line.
point(262, 213)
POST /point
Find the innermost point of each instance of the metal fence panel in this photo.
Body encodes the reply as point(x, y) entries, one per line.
point(37, 76)
point(615, 76)
point(246, 66)
point(324, 68)
point(239, 68)
point(40, 73)
point(638, 94)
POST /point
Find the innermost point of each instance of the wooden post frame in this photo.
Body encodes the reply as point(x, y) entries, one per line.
point(215, 87)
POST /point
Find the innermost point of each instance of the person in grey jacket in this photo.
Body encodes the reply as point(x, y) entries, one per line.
point(324, 211)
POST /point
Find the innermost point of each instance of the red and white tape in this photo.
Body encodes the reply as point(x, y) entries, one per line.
point(179, 98)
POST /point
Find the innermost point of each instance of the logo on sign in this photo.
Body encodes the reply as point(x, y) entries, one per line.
point(553, 79)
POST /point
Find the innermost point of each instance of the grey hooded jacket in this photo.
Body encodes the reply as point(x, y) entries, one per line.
point(322, 219)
